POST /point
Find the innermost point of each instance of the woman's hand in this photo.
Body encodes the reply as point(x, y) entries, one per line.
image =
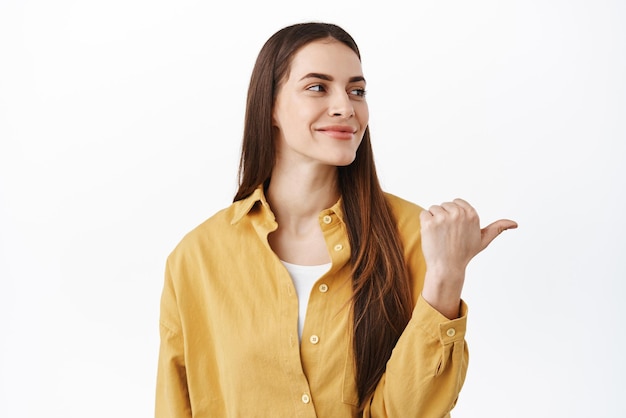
point(451, 237)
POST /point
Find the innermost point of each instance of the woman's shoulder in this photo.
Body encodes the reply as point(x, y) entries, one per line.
point(407, 216)
point(214, 223)
point(227, 225)
point(212, 230)
point(402, 207)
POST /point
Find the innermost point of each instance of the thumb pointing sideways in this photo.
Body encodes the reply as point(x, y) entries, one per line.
point(491, 231)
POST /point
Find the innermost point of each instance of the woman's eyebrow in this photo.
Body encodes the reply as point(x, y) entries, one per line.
point(330, 78)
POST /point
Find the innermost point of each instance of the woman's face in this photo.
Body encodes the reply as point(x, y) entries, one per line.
point(320, 113)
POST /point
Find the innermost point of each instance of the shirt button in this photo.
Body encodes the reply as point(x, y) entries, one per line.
point(327, 219)
point(451, 332)
point(338, 247)
point(323, 288)
point(306, 398)
point(314, 339)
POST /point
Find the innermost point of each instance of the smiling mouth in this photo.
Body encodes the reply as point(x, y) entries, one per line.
point(339, 132)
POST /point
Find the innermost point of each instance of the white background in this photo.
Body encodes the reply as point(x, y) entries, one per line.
point(120, 127)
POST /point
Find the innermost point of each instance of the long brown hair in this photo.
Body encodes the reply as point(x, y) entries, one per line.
point(381, 300)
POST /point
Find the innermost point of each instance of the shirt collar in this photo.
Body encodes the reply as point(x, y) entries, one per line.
point(244, 206)
point(336, 209)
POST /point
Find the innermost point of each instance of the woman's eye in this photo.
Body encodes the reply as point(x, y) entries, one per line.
point(358, 92)
point(317, 87)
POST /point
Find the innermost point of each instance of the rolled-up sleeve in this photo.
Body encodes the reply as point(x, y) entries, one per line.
point(427, 368)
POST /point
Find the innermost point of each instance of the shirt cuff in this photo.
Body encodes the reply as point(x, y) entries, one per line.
point(437, 325)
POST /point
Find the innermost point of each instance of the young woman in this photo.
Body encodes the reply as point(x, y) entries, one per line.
point(316, 294)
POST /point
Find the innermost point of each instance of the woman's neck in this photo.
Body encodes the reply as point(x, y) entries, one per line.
point(297, 193)
point(297, 196)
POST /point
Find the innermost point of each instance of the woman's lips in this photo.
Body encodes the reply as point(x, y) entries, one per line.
point(338, 132)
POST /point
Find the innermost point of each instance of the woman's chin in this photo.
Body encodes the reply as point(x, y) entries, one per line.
point(343, 160)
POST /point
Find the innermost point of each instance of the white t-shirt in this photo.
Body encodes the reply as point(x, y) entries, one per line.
point(304, 277)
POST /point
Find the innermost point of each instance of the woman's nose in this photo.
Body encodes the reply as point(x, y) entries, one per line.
point(341, 105)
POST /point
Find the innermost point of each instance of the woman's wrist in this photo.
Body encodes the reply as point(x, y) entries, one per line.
point(442, 291)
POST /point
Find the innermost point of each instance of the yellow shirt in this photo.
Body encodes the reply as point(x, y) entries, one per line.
point(229, 328)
